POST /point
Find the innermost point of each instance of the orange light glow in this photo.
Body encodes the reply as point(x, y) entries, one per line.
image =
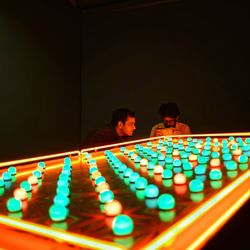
point(112, 208)
point(20, 193)
point(32, 180)
point(102, 186)
point(180, 179)
point(39, 158)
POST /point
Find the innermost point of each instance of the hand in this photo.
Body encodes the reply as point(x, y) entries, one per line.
point(165, 131)
point(176, 132)
point(158, 132)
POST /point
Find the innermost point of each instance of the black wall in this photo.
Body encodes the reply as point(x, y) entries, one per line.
point(63, 69)
point(39, 78)
point(193, 52)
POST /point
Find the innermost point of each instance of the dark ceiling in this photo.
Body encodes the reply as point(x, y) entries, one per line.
point(95, 4)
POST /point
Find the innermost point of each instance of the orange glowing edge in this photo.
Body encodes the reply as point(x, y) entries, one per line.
point(162, 137)
point(39, 158)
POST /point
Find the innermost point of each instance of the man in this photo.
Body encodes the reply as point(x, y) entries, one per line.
point(169, 126)
point(119, 130)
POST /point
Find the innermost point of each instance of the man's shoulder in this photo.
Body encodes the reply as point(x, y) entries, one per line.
point(183, 127)
point(181, 124)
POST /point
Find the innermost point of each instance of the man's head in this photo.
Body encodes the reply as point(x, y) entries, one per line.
point(169, 113)
point(124, 122)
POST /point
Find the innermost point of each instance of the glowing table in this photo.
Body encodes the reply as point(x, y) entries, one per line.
point(197, 216)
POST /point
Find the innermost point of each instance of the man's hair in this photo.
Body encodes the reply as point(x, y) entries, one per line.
point(121, 114)
point(169, 110)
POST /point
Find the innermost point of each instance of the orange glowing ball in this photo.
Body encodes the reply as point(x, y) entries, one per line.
point(144, 162)
point(215, 162)
point(133, 156)
point(91, 165)
point(180, 179)
point(163, 149)
point(192, 157)
point(237, 152)
point(158, 169)
point(176, 152)
point(33, 180)
point(112, 208)
point(20, 193)
point(198, 146)
point(95, 175)
point(102, 186)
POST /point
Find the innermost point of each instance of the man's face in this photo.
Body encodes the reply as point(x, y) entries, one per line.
point(169, 122)
point(129, 126)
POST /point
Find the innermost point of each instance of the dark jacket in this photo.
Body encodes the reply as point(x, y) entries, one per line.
point(105, 136)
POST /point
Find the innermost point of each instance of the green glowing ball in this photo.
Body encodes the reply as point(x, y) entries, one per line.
point(41, 164)
point(12, 170)
point(58, 212)
point(203, 159)
point(14, 205)
point(6, 176)
point(92, 170)
point(99, 180)
point(106, 196)
point(225, 150)
point(64, 189)
point(122, 225)
point(200, 169)
point(196, 185)
point(141, 183)
point(67, 161)
point(243, 159)
point(133, 177)
point(151, 191)
point(127, 172)
point(62, 200)
point(227, 157)
point(177, 163)
point(169, 160)
point(167, 174)
point(215, 174)
point(26, 185)
point(166, 202)
point(215, 155)
point(187, 166)
point(37, 174)
point(230, 165)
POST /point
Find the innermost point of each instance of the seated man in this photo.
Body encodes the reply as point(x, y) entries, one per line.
point(169, 126)
point(119, 130)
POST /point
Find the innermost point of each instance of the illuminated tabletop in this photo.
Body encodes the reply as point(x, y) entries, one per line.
point(155, 193)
